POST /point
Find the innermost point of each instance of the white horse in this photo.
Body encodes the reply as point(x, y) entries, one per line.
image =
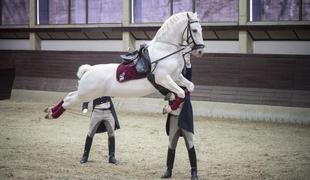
point(100, 80)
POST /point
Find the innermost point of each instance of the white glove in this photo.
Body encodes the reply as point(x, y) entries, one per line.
point(166, 109)
point(85, 111)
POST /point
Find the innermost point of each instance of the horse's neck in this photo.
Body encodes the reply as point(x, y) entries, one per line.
point(173, 34)
point(165, 46)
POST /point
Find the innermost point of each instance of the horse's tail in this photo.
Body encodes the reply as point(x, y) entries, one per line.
point(82, 69)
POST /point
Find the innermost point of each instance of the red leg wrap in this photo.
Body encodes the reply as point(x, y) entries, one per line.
point(55, 108)
point(59, 112)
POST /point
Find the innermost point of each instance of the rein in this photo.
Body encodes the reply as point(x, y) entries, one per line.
point(160, 59)
point(156, 61)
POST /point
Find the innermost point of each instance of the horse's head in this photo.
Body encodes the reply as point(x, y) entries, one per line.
point(182, 27)
point(192, 34)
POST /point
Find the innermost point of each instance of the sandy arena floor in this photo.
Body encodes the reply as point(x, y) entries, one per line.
point(32, 147)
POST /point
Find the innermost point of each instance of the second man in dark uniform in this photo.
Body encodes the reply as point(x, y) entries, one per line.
point(103, 119)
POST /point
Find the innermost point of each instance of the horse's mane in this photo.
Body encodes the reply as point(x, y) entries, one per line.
point(162, 33)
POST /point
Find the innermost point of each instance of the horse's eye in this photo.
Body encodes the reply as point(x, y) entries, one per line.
point(194, 30)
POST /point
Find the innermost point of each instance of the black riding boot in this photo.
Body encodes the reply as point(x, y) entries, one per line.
point(170, 161)
point(112, 159)
point(193, 162)
point(87, 147)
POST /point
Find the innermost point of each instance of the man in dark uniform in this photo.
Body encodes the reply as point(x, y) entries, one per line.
point(180, 123)
point(103, 119)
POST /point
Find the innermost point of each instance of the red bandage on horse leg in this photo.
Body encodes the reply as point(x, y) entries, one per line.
point(55, 108)
point(176, 103)
point(59, 112)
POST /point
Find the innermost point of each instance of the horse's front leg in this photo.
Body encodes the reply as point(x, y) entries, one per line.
point(168, 83)
point(182, 81)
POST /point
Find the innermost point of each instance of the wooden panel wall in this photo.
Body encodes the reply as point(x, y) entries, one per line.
point(238, 78)
point(253, 71)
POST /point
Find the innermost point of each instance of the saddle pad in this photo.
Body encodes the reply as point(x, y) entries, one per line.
point(127, 72)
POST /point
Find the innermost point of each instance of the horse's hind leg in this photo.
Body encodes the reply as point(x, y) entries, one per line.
point(58, 109)
point(54, 108)
point(70, 99)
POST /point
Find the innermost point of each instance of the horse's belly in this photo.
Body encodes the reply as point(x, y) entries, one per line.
point(132, 88)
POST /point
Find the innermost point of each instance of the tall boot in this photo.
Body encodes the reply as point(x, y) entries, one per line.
point(193, 162)
point(111, 142)
point(170, 161)
point(88, 143)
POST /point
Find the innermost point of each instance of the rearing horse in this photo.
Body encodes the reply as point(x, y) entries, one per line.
point(167, 64)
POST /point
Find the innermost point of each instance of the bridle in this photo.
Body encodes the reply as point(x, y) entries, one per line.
point(189, 36)
point(189, 40)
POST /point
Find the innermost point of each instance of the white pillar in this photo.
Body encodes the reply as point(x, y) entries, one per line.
point(34, 39)
point(128, 39)
point(245, 40)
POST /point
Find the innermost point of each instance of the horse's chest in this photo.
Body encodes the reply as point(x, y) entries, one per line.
point(177, 72)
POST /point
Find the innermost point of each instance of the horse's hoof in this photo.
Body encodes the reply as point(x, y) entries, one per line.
point(181, 94)
point(48, 116)
point(191, 87)
point(47, 110)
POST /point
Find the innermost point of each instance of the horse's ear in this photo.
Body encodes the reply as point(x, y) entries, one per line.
point(195, 15)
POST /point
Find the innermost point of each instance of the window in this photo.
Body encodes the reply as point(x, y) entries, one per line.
point(43, 10)
point(78, 11)
point(306, 10)
point(105, 11)
point(58, 11)
point(182, 5)
point(275, 10)
point(15, 12)
point(218, 10)
point(97, 11)
point(151, 11)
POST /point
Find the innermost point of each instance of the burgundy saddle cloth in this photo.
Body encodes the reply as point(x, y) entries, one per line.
point(127, 72)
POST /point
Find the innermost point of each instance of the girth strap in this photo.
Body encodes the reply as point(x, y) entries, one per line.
point(164, 91)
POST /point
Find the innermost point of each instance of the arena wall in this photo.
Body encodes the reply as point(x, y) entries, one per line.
point(235, 86)
point(280, 80)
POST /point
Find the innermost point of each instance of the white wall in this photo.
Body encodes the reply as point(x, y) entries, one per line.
point(64, 45)
point(260, 47)
point(82, 45)
point(213, 46)
point(222, 46)
point(14, 44)
point(281, 47)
